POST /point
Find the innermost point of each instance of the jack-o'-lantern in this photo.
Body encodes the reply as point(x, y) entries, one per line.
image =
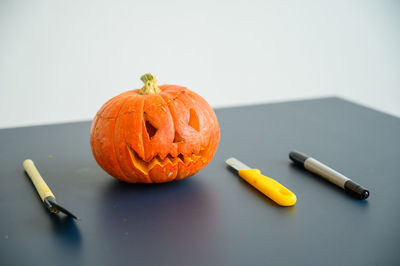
point(154, 134)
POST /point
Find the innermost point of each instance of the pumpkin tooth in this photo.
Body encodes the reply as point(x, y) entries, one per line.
point(195, 157)
point(168, 160)
point(153, 163)
point(138, 163)
point(187, 159)
point(175, 160)
point(180, 157)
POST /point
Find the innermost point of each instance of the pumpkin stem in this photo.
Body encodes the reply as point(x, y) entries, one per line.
point(150, 84)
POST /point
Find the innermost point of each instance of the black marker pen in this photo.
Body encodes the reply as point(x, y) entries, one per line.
point(328, 173)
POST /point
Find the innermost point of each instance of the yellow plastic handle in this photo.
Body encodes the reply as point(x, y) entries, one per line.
point(269, 187)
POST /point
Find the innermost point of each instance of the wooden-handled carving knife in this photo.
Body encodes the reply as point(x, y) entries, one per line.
point(44, 191)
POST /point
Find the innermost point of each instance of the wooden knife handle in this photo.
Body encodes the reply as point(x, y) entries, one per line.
point(37, 180)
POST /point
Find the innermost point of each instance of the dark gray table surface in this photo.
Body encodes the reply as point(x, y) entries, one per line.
point(214, 217)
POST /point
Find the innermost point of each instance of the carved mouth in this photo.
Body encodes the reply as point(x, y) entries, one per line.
point(181, 160)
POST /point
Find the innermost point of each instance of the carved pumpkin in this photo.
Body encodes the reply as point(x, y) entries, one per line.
point(154, 134)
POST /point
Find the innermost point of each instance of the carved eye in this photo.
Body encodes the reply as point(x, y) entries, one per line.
point(194, 120)
point(151, 128)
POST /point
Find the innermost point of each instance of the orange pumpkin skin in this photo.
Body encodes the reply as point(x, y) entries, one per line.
point(154, 138)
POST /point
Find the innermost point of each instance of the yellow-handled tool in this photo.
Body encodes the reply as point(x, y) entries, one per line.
point(43, 189)
point(266, 185)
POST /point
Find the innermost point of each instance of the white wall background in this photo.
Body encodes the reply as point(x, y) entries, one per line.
point(61, 60)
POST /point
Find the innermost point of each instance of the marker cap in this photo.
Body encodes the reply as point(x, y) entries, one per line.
point(298, 157)
point(356, 190)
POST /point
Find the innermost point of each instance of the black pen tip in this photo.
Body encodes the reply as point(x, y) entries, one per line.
point(365, 194)
point(356, 190)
